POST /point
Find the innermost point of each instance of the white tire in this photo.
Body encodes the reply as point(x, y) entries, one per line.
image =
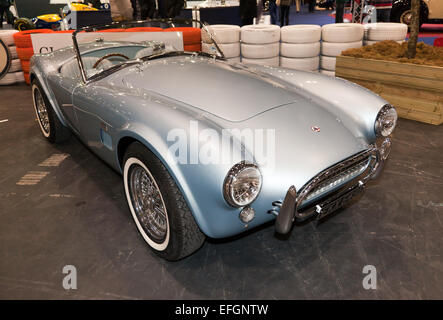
point(342, 32)
point(5, 59)
point(301, 33)
point(235, 59)
point(260, 34)
point(16, 65)
point(334, 49)
point(222, 33)
point(13, 51)
point(273, 62)
point(306, 64)
point(370, 42)
point(7, 37)
point(230, 50)
point(386, 31)
point(11, 78)
point(260, 51)
point(19, 76)
point(327, 72)
point(300, 50)
point(328, 63)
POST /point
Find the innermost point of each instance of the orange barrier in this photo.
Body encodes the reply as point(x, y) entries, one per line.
point(144, 29)
point(25, 53)
point(27, 78)
point(193, 47)
point(25, 65)
point(190, 35)
point(22, 39)
point(112, 30)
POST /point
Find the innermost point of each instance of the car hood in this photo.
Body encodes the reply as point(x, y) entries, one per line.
point(224, 90)
point(299, 140)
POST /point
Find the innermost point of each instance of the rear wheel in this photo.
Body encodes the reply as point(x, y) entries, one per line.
point(158, 207)
point(51, 127)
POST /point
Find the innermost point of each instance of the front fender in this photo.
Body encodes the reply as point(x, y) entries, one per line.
point(40, 71)
point(200, 184)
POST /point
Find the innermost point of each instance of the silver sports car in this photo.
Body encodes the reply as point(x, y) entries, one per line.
point(209, 147)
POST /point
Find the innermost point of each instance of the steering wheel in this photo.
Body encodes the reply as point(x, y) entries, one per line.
point(108, 56)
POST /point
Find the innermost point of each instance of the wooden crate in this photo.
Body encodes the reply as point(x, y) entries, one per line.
point(415, 90)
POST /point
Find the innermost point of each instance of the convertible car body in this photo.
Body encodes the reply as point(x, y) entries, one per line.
point(151, 114)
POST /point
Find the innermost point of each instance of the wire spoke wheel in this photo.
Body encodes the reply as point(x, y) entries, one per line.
point(148, 203)
point(42, 112)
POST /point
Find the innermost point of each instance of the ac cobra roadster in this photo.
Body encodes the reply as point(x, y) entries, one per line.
point(151, 111)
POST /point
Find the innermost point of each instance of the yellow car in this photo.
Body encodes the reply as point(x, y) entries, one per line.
point(50, 21)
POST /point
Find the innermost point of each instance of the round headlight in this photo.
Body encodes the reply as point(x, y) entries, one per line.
point(242, 184)
point(386, 121)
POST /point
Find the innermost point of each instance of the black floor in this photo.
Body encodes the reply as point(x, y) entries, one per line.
point(77, 215)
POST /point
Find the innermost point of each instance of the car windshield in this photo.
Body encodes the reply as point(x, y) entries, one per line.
point(111, 47)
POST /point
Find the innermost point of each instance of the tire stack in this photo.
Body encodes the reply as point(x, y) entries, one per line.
point(24, 48)
point(228, 39)
point(336, 38)
point(10, 67)
point(260, 44)
point(300, 47)
point(376, 32)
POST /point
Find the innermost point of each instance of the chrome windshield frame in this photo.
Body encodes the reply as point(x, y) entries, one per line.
point(124, 24)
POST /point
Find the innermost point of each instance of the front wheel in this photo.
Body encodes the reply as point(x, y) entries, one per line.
point(157, 205)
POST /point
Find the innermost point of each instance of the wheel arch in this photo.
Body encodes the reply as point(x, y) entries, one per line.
point(122, 145)
point(35, 75)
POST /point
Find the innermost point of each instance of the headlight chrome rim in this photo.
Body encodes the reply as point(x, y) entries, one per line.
point(232, 176)
point(380, 126)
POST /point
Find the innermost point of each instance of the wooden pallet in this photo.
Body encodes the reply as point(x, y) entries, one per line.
point(415, 90)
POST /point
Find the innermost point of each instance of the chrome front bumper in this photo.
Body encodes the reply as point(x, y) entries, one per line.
point(295, 206)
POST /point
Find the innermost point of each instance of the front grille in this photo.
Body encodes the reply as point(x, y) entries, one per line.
point(338, 179)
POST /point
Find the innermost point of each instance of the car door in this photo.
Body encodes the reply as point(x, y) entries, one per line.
point(97, 109)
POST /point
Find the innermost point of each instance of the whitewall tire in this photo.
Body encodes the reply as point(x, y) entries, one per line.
point(157, 205)
point(222, 33)
point(301, 33)
point(230, 50)
point(328, 72)
point(386, 31)
point(159, 245)
point(328, 63)
point(50, 126)
point(260, 51)
point(300, 50)
point(342, 32)
point(272, 62)
point(260, 34)
point(305, 64)
point(334, 49)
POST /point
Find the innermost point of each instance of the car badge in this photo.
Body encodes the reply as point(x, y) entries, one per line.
point(315, 129)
